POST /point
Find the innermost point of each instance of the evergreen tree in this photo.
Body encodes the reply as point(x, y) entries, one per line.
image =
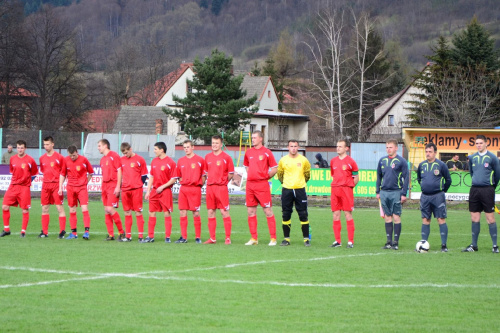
point(215, 102)
point(474, 48)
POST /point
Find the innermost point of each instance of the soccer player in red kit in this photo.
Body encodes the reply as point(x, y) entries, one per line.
point(344, 171)
point(190, 171)
point(79, 171)
point(111, 168)
point(23, 169)
point(51, 164)
point(135, 173)
point(261, 166)
point(219, 169)
point(159, 192)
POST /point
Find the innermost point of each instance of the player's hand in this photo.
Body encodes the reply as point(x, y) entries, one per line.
point(59, 192)
point(116, 192)
point(378, 196)
point(146, 197)
point(403, 199)
point(160, 189)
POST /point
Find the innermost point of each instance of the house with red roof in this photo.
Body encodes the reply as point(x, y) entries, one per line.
point(15, 106)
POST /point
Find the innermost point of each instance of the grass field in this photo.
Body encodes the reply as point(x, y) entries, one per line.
point(76, 285)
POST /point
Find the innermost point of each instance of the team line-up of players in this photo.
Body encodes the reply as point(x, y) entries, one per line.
point(125, 176)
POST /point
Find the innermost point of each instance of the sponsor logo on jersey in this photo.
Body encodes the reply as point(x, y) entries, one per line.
point(299, 164)
point(52, 164)
point(393, 166)
point(344, 167)
point(107, 162)
point(218, 163)
point(486, 164)
point(162, 167)
point(77, 168)
point(261, 157)
point(132, 164)
point(193, 165)
point(436, 172)
point(23, 165)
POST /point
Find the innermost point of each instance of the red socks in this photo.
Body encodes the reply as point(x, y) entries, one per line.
point(86, 219)
point(337, 227)
point(271, 224)
point(252, 225)
point(151, 226)
point(6, 220)
point(128, 226)
point(227, 226)
point(168, 226)
point(45, 223)
point(184, 226)
point(350, 230)
point(73, 221)
point(109, 224)
point(116, 218)
point(212, 225)
point(62, 223)
point(26, 219)
point(197, 226)
point(140, 225)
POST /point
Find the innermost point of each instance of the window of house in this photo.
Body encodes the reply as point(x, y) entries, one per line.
point(269, 93)
point(189, 89)
point(391, 120)
point(252, 128)
point(283, 132)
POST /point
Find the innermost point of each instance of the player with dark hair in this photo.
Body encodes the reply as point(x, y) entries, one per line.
point(159, 192)
point(111, 168)
point(135, 173)
point(78, 171)
point(485, 173)
point(190, 171)
point(219, 169)
point(344, 171)
point(434, 179)
point(261, 166)
point(23, 169)
point(392, 188)
point(294, 170)
point(51, 165)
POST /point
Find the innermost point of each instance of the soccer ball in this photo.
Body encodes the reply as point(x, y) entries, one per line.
point(422, 246)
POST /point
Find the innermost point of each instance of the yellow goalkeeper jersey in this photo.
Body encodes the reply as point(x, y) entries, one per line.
point(294, 172)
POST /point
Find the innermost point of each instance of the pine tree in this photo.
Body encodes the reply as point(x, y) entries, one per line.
point(215, 103)
point(474, 48)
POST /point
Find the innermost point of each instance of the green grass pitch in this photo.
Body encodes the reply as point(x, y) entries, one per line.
point(93, 286)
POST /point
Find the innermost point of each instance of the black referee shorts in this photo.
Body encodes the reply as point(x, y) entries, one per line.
point(482, 198)
point(290, 197)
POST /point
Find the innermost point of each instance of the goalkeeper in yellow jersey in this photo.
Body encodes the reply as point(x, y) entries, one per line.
point(294, 170)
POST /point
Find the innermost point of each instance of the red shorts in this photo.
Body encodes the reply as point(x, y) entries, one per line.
point(161, 202)
point(18, 195)
point(190, 198)
point(49, 194)
point(258, 193)
point(342, 199)
point(217, 197)
point(77, 194)
point(108, 197)
point(132, 200)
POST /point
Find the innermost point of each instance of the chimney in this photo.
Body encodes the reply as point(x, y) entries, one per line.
point(159, 126)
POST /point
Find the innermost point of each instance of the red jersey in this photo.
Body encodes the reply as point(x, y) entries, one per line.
point(217, 167)
point(110, 164)
point(77, 171)
point(51, 167)
point(191, 170)
point(342, 171)
point(162, 170)
point(132, 170)
point(22, 168)
point(258, 162)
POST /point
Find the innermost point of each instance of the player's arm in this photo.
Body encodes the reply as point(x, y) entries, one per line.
point(280, 172)
point(496, 171)
point(470, 167)
point(203, 179)
point(148, 188)
point(119, 175)
point(355, 177)
point(447, 178)
point(406, 179)
point(61, 183)
point(166, 185)
point(419, 171)
point(273, 171)
point(307, 171)
point(379, 180)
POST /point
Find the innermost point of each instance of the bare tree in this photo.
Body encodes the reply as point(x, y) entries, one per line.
point(328, 70)
point(52, 67)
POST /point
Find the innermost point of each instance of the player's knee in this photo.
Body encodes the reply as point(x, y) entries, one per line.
point(303, 216)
